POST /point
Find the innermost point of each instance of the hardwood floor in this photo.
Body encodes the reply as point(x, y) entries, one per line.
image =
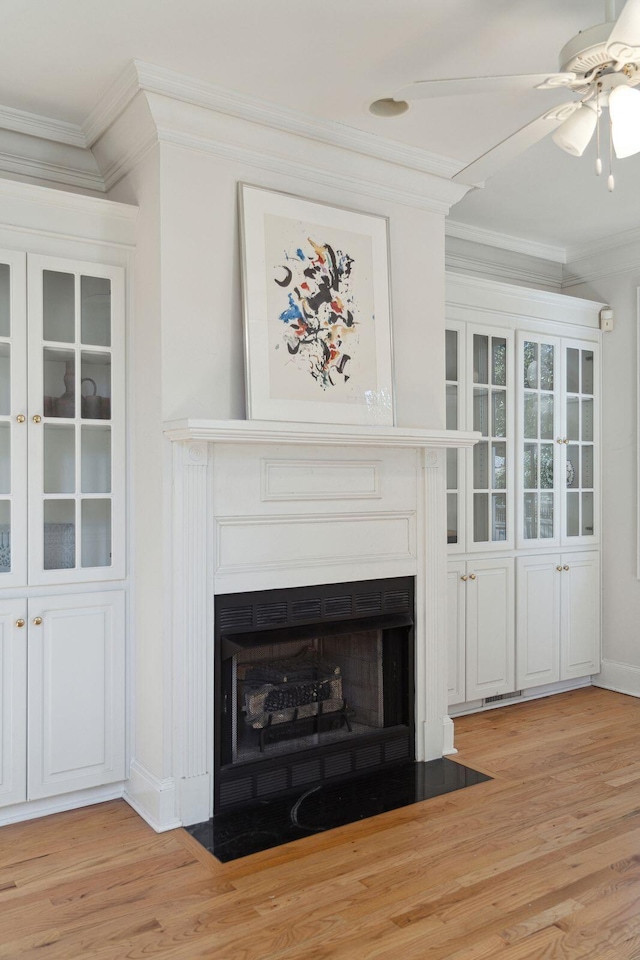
point(542, 862)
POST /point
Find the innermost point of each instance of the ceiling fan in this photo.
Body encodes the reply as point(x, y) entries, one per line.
point(601, 65)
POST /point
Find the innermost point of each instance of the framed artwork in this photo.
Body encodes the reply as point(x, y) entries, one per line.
point(317, 317)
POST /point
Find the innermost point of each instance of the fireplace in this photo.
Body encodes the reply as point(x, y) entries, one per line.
point(312, 684)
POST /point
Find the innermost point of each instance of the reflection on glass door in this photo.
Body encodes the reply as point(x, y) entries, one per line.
point(579, 442)
point(538, 452)
point(452, 367)
point(489, 455)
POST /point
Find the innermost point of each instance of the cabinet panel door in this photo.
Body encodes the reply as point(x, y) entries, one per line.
point(580, 618)
point(490, 628)
point(13, 702)
point(456, 631)
point(76, 692)
point(538, 620)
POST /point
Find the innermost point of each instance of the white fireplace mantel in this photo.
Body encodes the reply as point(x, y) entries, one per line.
point(333, 435)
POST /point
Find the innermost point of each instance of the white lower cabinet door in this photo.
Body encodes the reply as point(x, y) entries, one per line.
point(13, 702)
point(490, 628)
point(538, 584)
point(76, 692)
point(456, 631)
point(580, 617)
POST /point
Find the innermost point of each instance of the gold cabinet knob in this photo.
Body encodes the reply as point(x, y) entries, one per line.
point(559, 569)
point(37, 418)
point(37, 621)
point(565, 567)
point(472, 576)
point(21, 418)
point(463, 578)
point(20, 622)
point(565, 440)
point(559, 440)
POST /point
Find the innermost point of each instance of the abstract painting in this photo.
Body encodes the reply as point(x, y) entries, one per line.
point(316, 306)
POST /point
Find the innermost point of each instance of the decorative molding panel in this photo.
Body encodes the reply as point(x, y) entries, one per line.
point(313, 480)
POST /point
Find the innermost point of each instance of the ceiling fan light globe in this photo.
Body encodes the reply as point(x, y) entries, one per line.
point(575, 133)
point(624, 109)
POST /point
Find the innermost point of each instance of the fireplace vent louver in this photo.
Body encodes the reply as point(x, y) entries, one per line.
point(236, 617)
point(274, 781)
point(306, 610)
point(396, 600)
point(236, 791)
point(270, 613)
point(338, 607)
point(369, 603)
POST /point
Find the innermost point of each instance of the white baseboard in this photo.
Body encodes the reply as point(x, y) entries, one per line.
point(152, 798)
point(19, 812)
point(448, 747)
point(621, 677)
point(533, 693)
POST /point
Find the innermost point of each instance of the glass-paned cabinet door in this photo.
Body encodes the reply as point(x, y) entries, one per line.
point(13, 421)
point(490, 466)
point(76, 421)
point(538, 509)
point(580, 467)
point(454, 386)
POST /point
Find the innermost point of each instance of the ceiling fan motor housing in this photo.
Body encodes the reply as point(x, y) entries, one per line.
point(587, 50)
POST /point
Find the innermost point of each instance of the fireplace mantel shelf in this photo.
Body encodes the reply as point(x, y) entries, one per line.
point(268, 431)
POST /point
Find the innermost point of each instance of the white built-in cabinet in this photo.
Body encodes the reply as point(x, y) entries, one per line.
point(523, 505)
point(62, 517)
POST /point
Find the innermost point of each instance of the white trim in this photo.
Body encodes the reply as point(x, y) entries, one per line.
point(35, 125)
point(595, 248)
point(476, 265)
point(13, 190)
point(621, 677)
point(310, 434)
point(491, 238)
point(532, 693)
point(34, 809)
point(447, 747)
point(153, 798)
point(139, 75)
point(637, 413)
point(38, 169)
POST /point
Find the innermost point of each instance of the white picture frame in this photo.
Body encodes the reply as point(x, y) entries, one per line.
point(317, 315)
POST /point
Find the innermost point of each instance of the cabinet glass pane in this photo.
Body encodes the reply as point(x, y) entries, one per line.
point(95, 458)
point(452, 518)
point(5, 300)
point(59, 368)
point(546, 466)
point(531, 416)
point(480, 517)
point(452, 407)
point(5, 379)
point(499, 516)
point(573, 467)
point(58, 306)
point(452, 469)
point(530, 516)
point(96, 386)
point(587, 514)
point(573, 418)
point(5, 457)
point(530, 366)
point(480, 359)
point(59, 458)
point(96, 533)
point(481, 466)
point(95, 311)
point(530, 463)
point(546, 366)
point(5, 536)
point(546, 417)
point(499, 462)
point(546, 516)
point(499, 413)
point(587, 420)
point(573, 370)
point(59, 534)
point(587, 371)
point(573, 514)
point(481, 410)
point(499, 362)
point(587, 467)
point(451, 355)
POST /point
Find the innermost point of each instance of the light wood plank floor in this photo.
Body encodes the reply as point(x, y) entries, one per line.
point(542, 862)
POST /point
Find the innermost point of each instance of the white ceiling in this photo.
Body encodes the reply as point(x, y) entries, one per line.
point(331, 60)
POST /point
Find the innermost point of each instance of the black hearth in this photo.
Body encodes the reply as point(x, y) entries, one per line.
point(312, 685)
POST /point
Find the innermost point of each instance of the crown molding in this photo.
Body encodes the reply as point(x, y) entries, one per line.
point(609, 257)
point(32, 124)
point(14, 190)
point(501, 271)
point(139, 75)
point(595, 248)
point(491, 238)
point(51, 172)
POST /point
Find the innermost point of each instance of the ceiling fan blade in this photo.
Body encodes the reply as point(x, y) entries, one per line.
point(624, 41)
point(482, 168)
point(424, 89)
